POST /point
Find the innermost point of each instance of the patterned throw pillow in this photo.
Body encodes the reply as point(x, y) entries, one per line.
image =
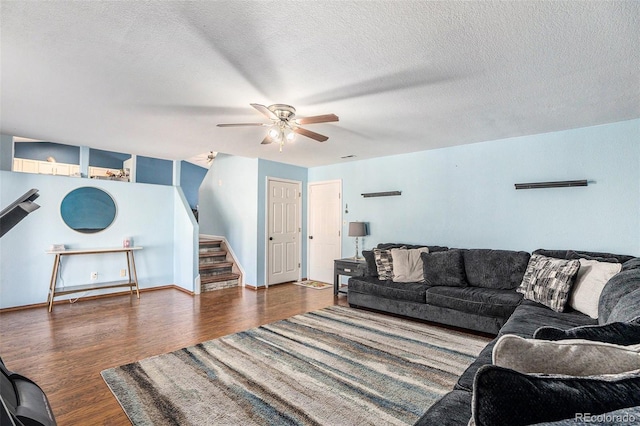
point(384, 263)
point(548, 281)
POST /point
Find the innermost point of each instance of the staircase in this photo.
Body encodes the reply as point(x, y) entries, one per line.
point(217, 269)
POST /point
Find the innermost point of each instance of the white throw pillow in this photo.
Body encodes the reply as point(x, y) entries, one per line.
point(573, 357)
point(590, 280)
point(407, 265)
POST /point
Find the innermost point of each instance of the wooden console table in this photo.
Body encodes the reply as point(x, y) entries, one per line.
point(131, 268)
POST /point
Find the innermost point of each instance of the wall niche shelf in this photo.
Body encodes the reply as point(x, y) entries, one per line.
point(557, 184)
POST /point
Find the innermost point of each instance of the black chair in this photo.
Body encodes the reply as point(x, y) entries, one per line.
point(23, 402)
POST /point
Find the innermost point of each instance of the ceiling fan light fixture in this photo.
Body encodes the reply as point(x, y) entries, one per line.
point(274, 133)
point(284, 125)
point(289, 135)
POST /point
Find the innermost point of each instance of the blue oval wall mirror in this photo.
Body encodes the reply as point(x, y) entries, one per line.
point(88, 210)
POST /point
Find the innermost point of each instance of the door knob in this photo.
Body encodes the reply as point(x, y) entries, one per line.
point(270, 238)
point(311, 237)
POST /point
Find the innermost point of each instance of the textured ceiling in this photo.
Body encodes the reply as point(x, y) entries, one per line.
point(154, 78)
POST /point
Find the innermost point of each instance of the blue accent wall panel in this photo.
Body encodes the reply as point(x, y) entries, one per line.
point(191, 177)
point(107, 159)
point(41, 150)
point(154, 170)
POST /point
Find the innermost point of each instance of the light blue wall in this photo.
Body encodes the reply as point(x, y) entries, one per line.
point(229, 208)
point(464, 196)
point(145, 213)
point(273, 169)
point(185, 247)
point(233, 205)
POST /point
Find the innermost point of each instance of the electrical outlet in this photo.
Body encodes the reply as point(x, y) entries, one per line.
point(123, 272)
point(94, 275)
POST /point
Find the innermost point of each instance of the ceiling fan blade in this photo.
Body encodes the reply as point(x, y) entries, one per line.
point(265, 111)
point(326, 118)
point(310, 134)
point(267, 140)
point(241, 124)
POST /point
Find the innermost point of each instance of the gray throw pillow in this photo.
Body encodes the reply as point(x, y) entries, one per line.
point(617, 333)
point(506, 397)
point(568, 357)
point(592, 276)
point(370, 259)
point(384, 263)
point(407, 265)
point(444, 268)
point(548, 281)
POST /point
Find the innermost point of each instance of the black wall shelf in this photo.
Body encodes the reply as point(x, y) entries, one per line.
point(557, 184)
point(381, 194)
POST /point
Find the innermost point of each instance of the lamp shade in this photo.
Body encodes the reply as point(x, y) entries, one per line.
point(357, 229)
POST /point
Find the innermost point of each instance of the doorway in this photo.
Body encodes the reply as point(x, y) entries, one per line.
point(284, 207)
point(324, 229)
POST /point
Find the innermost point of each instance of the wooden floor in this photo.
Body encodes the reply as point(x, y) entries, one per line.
point(64, 351)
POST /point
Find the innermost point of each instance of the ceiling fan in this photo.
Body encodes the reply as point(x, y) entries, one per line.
point(284, 125)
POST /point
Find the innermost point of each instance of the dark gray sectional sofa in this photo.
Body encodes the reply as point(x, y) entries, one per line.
point(483, 303)
point(489, 303)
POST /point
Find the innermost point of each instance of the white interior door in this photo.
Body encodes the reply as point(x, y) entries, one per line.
point(283, 231)
point(324, 228)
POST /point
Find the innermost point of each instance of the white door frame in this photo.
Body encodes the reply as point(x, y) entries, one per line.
point(322, 182)
point(266, 227)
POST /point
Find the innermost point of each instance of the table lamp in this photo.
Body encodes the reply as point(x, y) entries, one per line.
point(357, 229)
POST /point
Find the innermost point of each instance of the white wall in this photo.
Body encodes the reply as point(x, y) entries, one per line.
point(144, 212)
point(464, 196)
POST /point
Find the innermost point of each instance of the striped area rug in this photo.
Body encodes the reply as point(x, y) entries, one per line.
point(335, 366)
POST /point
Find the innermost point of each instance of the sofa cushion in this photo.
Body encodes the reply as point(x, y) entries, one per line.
point(575, 357)
point(623, 417)
point(475, 300)
point(529, 316)
point(627, 308)
point(548, 281)
point(590, 280)
point(566, 254)
point(453, 409)
point(631, 264)
point(617, 333)
point(465, 381)
point(445, 268)
point(407, 265)
point(370, 260)
point(432, 249)
point(572, 254)
point(616, 288)
point(502, 269)
point(502, 396)
point(413, 292)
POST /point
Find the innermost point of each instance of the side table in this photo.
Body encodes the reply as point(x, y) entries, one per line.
point(349, 267)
